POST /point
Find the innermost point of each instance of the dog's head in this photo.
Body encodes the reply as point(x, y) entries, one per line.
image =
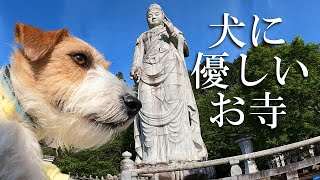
point(64, 84)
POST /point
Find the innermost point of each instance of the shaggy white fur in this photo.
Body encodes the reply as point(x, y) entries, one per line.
point(20, 155)
point(100, 95)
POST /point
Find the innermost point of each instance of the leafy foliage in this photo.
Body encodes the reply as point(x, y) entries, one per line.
point(300, 95)
point(98, 162)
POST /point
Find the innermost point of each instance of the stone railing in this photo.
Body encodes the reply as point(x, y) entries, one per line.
point(287, 159)
point(108, 177)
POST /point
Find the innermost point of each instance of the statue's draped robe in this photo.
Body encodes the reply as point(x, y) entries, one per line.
point(167, 127)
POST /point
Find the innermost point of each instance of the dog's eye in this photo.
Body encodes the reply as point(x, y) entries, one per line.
point(80, 59)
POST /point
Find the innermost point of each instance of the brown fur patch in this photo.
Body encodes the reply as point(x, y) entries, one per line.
point(36, 42)
point(44, 63)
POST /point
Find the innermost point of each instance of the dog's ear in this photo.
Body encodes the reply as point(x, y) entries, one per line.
point(36, 42)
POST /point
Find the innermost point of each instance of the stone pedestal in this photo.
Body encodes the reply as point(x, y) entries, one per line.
point(126, 165)
point(245, 144)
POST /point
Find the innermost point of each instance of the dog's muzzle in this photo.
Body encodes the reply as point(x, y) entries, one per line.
point(133, 105)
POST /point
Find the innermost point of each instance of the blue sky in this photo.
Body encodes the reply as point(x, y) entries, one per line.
point(113, 26)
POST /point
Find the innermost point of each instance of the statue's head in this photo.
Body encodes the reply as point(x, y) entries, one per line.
point(155, 15)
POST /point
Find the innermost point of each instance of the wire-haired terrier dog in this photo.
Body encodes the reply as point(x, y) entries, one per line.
point(57, 90)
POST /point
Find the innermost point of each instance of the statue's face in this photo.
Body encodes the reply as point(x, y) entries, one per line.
point(155, 17)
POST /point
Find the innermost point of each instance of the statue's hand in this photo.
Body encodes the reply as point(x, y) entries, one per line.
point(135, 73)
point(166, 21)
point(168, 24)
point(174, 34)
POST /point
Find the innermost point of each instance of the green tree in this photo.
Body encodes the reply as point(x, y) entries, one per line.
point(98, 162)
point(300, 95)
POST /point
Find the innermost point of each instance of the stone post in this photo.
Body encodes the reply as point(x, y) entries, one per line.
point(235, 168)
point(245, 144)
point(311, 150)
point(281, 156)
point(156, 175)
point(126, 166)
point(312, 154)
point(277, 160)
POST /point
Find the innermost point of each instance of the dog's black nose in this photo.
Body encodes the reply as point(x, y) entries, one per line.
point(133, 104)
